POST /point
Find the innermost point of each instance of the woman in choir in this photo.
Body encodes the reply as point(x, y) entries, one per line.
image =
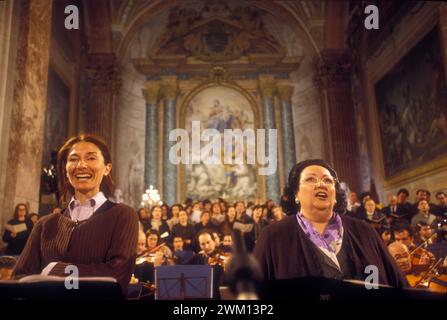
point(315, 240)
point(17, 230)
point(95, 235)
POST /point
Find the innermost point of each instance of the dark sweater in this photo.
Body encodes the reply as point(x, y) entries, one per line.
point(102, 246)
point(284, 252)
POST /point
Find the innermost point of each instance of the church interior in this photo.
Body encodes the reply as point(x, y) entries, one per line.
point(299, 79)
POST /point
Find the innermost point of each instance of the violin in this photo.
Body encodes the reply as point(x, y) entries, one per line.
point(431, 279)
point(149, 255)
point(220, 258)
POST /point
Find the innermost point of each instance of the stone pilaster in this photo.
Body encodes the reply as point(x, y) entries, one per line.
point(268, 89)
point(169, 91)
point(285, 92)
point(151, 93)
point(105, 82)
point(24, 161)
point(333, 78)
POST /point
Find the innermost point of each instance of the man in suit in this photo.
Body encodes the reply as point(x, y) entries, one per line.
point(395, 211)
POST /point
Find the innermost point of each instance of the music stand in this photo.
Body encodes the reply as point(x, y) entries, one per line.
point(182, 282)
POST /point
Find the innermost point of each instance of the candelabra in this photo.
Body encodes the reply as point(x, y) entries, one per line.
point(151, 198)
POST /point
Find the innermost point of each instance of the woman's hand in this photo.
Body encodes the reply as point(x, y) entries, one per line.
point(13, 234)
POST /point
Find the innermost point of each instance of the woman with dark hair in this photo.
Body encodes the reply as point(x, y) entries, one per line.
point(17, 230)
point(97, 236)
point(316, 240)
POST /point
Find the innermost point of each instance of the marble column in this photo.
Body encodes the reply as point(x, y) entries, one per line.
point(333, 78)
point(26, 122)
point(105, 82)
point(151, 137)
point(267, 86)
point(169, 90)
point(285, 91)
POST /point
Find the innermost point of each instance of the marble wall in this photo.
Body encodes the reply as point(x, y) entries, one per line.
point(28, 106)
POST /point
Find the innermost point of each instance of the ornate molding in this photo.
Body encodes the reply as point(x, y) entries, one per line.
point(267, 86)
point(151, 91)
point(103, 74)
point(169, 87)
point(285, 90)
point(333, 69)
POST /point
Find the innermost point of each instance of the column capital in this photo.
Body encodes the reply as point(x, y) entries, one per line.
point(285, 90)
point(103, 73)
point(169, 87)
point(267, 86)
point(333, 69)
point(151, 91)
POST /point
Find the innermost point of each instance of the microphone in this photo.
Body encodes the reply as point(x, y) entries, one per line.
point(243, 272)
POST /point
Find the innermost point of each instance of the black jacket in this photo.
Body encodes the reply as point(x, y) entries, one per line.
point(284, 252)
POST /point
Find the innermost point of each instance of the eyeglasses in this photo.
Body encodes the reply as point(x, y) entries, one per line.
point(311, 180)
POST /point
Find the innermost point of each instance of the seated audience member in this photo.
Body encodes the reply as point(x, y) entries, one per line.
point(278, 214)
point(217, 217)
point(226, 227)
point(7, 264)
point(17, 230)
point(421, 194)
point(394, 211)
point(227, 243)
point(374, 216)
point(32, 219)
point(385, 235)
point(241, 215)
point(175, 209)
point(423, 215)
point(440, 210)
point(258, 225)
point(144, 218)
point(205, 223)
point(353, 203)
point(180, 255)
point(184, 230)
point(157, 223)
point(402, 196)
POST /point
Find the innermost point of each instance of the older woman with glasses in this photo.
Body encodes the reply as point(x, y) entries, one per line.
point(315, 240)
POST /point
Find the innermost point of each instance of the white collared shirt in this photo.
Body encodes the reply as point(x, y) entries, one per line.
point(80, 212)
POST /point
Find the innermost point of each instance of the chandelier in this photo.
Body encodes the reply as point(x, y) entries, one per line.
point(151, 198)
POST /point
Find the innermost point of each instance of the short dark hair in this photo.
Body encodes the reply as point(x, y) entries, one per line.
point(421, 224)
point(204, 231)
point(404, 191)
point(439, 193)
point(401, 227)
point(290, 206)
point(7, 262)
point(423, 190)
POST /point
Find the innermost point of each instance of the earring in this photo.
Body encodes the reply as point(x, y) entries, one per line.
point(296, 200)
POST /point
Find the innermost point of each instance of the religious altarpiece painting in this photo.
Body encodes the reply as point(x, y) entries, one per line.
point(220, 108)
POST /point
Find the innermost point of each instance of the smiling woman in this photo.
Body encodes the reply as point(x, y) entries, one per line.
point(317, 240)
point(97, 236)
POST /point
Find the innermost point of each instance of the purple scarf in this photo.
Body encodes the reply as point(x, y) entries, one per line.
point(329, 238)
